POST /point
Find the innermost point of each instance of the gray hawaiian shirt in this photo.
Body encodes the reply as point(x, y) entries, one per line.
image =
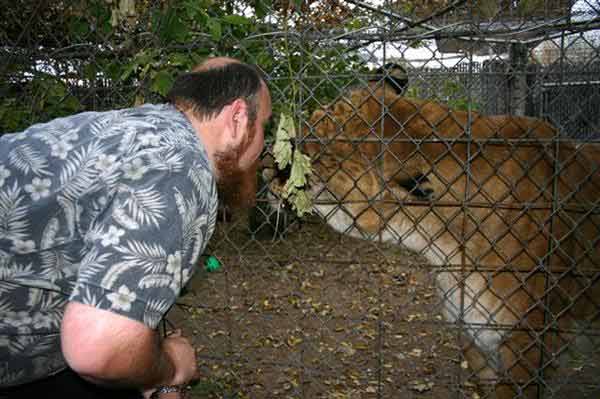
point(109, 209)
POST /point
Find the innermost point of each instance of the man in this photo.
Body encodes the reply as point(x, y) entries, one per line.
point(103, 217)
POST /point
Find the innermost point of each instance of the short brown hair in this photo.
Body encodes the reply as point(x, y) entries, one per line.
point(206, 91)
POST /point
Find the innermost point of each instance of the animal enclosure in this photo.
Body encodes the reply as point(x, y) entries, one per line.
point(451, 252)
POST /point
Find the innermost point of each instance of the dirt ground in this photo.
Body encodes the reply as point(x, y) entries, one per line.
point(319, 315)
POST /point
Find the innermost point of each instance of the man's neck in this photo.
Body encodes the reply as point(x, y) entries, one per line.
point(207, 131)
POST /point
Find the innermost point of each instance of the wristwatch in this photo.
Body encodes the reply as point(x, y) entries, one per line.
point(167, 389)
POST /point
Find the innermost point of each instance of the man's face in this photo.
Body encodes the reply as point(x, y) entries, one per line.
point(237, 166)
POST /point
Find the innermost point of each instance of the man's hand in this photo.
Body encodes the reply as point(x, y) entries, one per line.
point(183, 357)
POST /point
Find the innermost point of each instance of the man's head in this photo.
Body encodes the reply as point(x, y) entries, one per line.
point(228, 103)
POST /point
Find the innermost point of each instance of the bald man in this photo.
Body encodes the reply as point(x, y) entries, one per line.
point(110, 213)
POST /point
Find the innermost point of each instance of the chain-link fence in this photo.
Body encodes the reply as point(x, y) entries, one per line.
point(451, 253)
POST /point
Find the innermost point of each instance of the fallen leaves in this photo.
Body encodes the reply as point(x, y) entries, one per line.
point(293, 341)
point(416, 352)
point(347, 349)
point(357, 330)
point(421, 385)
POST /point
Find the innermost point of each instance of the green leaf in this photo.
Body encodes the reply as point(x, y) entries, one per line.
point(145, 57)
point(286, 129)
point(302, 203)
point(145, 70)
point(54, 91)
point(192, 8)
point(178, 59)
point(162, 83)
point(236, 20)
point(289, 191)
point(265, 60)
point(199, 55)
point(90, 71)
point(71, 104)
point(300, 169)
point(262, 7)
point(129, 69)
point(214, 26)
point(79, 27)
point(101, 14)
point(172, 28)
point(282, 150)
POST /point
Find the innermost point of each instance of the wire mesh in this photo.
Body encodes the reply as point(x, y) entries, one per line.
point(452, 253)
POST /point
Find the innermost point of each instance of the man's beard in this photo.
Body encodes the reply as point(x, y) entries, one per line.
point(237, 187)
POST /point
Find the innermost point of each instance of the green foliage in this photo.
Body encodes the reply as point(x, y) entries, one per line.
point(134, 50)
point(162, 82)
point(115, 54)
point(450, 92)
point(285, 155)
point(48, 97)
point(301, 168)
point(129, 52)
point(286, 131)
point(456, 98)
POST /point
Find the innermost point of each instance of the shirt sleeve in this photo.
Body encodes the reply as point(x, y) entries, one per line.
point(145, 245)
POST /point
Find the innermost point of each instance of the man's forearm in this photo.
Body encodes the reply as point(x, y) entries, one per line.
point(112, 350)
point(144, 369)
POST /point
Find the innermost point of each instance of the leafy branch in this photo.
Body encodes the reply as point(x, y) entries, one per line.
point(285, 154)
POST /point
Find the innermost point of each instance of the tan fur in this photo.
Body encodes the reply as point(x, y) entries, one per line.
point(489, 229)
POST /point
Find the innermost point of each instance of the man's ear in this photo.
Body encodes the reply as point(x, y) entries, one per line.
point(238, 118)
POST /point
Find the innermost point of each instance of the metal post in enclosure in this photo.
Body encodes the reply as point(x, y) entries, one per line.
point(450, 248)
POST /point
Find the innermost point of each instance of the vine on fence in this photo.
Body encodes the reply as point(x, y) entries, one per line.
point(285, 154)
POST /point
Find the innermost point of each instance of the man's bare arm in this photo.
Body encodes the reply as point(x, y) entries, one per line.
point(113, 350)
